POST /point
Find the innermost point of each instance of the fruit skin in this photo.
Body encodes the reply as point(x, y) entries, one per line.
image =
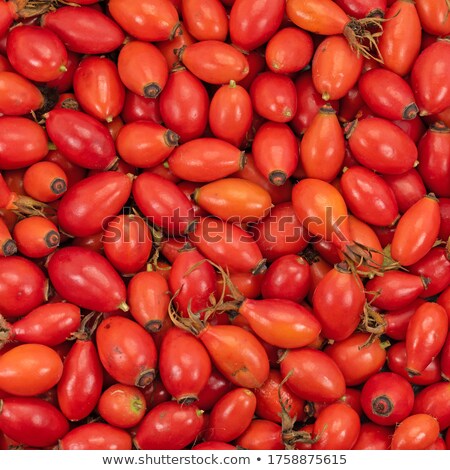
point(237, 354)
point(142, 68)
point(281, 322)
point(228, 245)
point(252, 23)
point(18, 95)
point(127, 351)
point(335, 68)
point(231, 415)
point(122, 406)
point(416, 231)
point(86, 287)
point(96, 436)
point(430, 74)
point(169, 426)
point(29, 369)
point(147, 20)
point(49, 324)
point(22, 142)
point(415, 432)
point(215, 62)
point(341, 293)
point(84, 30)
point(425, 336)
point(380, 145)
point(32, 421)
point(85, 208)
point(81, 383)
point(81, 138)
point(315, 376)
point(23, 286)
point(36, 53)
point(275, 151)
point(362, 188)
point(356, 361)
point(234, 199)
point(163, 203)
point(183, 374)
point(336, 427)
point(387, 398)
point(387, 94)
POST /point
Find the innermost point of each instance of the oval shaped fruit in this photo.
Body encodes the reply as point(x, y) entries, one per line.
point(49, 324)
point(215, 62)
point(387, 398)
point(192, 281)
point(281, 322)
point(36, 53)
point(361, 189)
point(434, 164)
point(429, 78)
point(148, 296)
point(85, 207)
point(98, 88)
point(274, 97)
point(169, 425)
point(18, 96)
point(231, 415)
point(338, 302)
point(142, 68)
point(184, 104)
point(425, 336)
point(96, 436)
point(252, 23)
point(23, 286)
point(288, 277)
point(163, 203)
point(322, 148)
point(275, 151)
point(32, 421)
point(228, 245)
point(126, 351)
point(205, 19)
point(380, 145)
point(81, 383)
point(289, 50)
point(336, 427)
point(313, 375)
point(81, 139)
point(84, 30)
point(22, 142)
point(184, 365)
point(357, 357)
point(237, 354)
point(127, 243)
point(416, 231)
point(45, 181)
point(387, 94)
point(322, 210)
point(231, 113)
point(335, 68)
point(234, 200)
point(148, 20)
point(205, 159)
point(84, 286)
point(401, 38)
point(122, 406)
point(415, 432)
point(29, 369)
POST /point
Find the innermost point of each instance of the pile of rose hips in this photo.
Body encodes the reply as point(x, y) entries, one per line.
point(224, 224)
